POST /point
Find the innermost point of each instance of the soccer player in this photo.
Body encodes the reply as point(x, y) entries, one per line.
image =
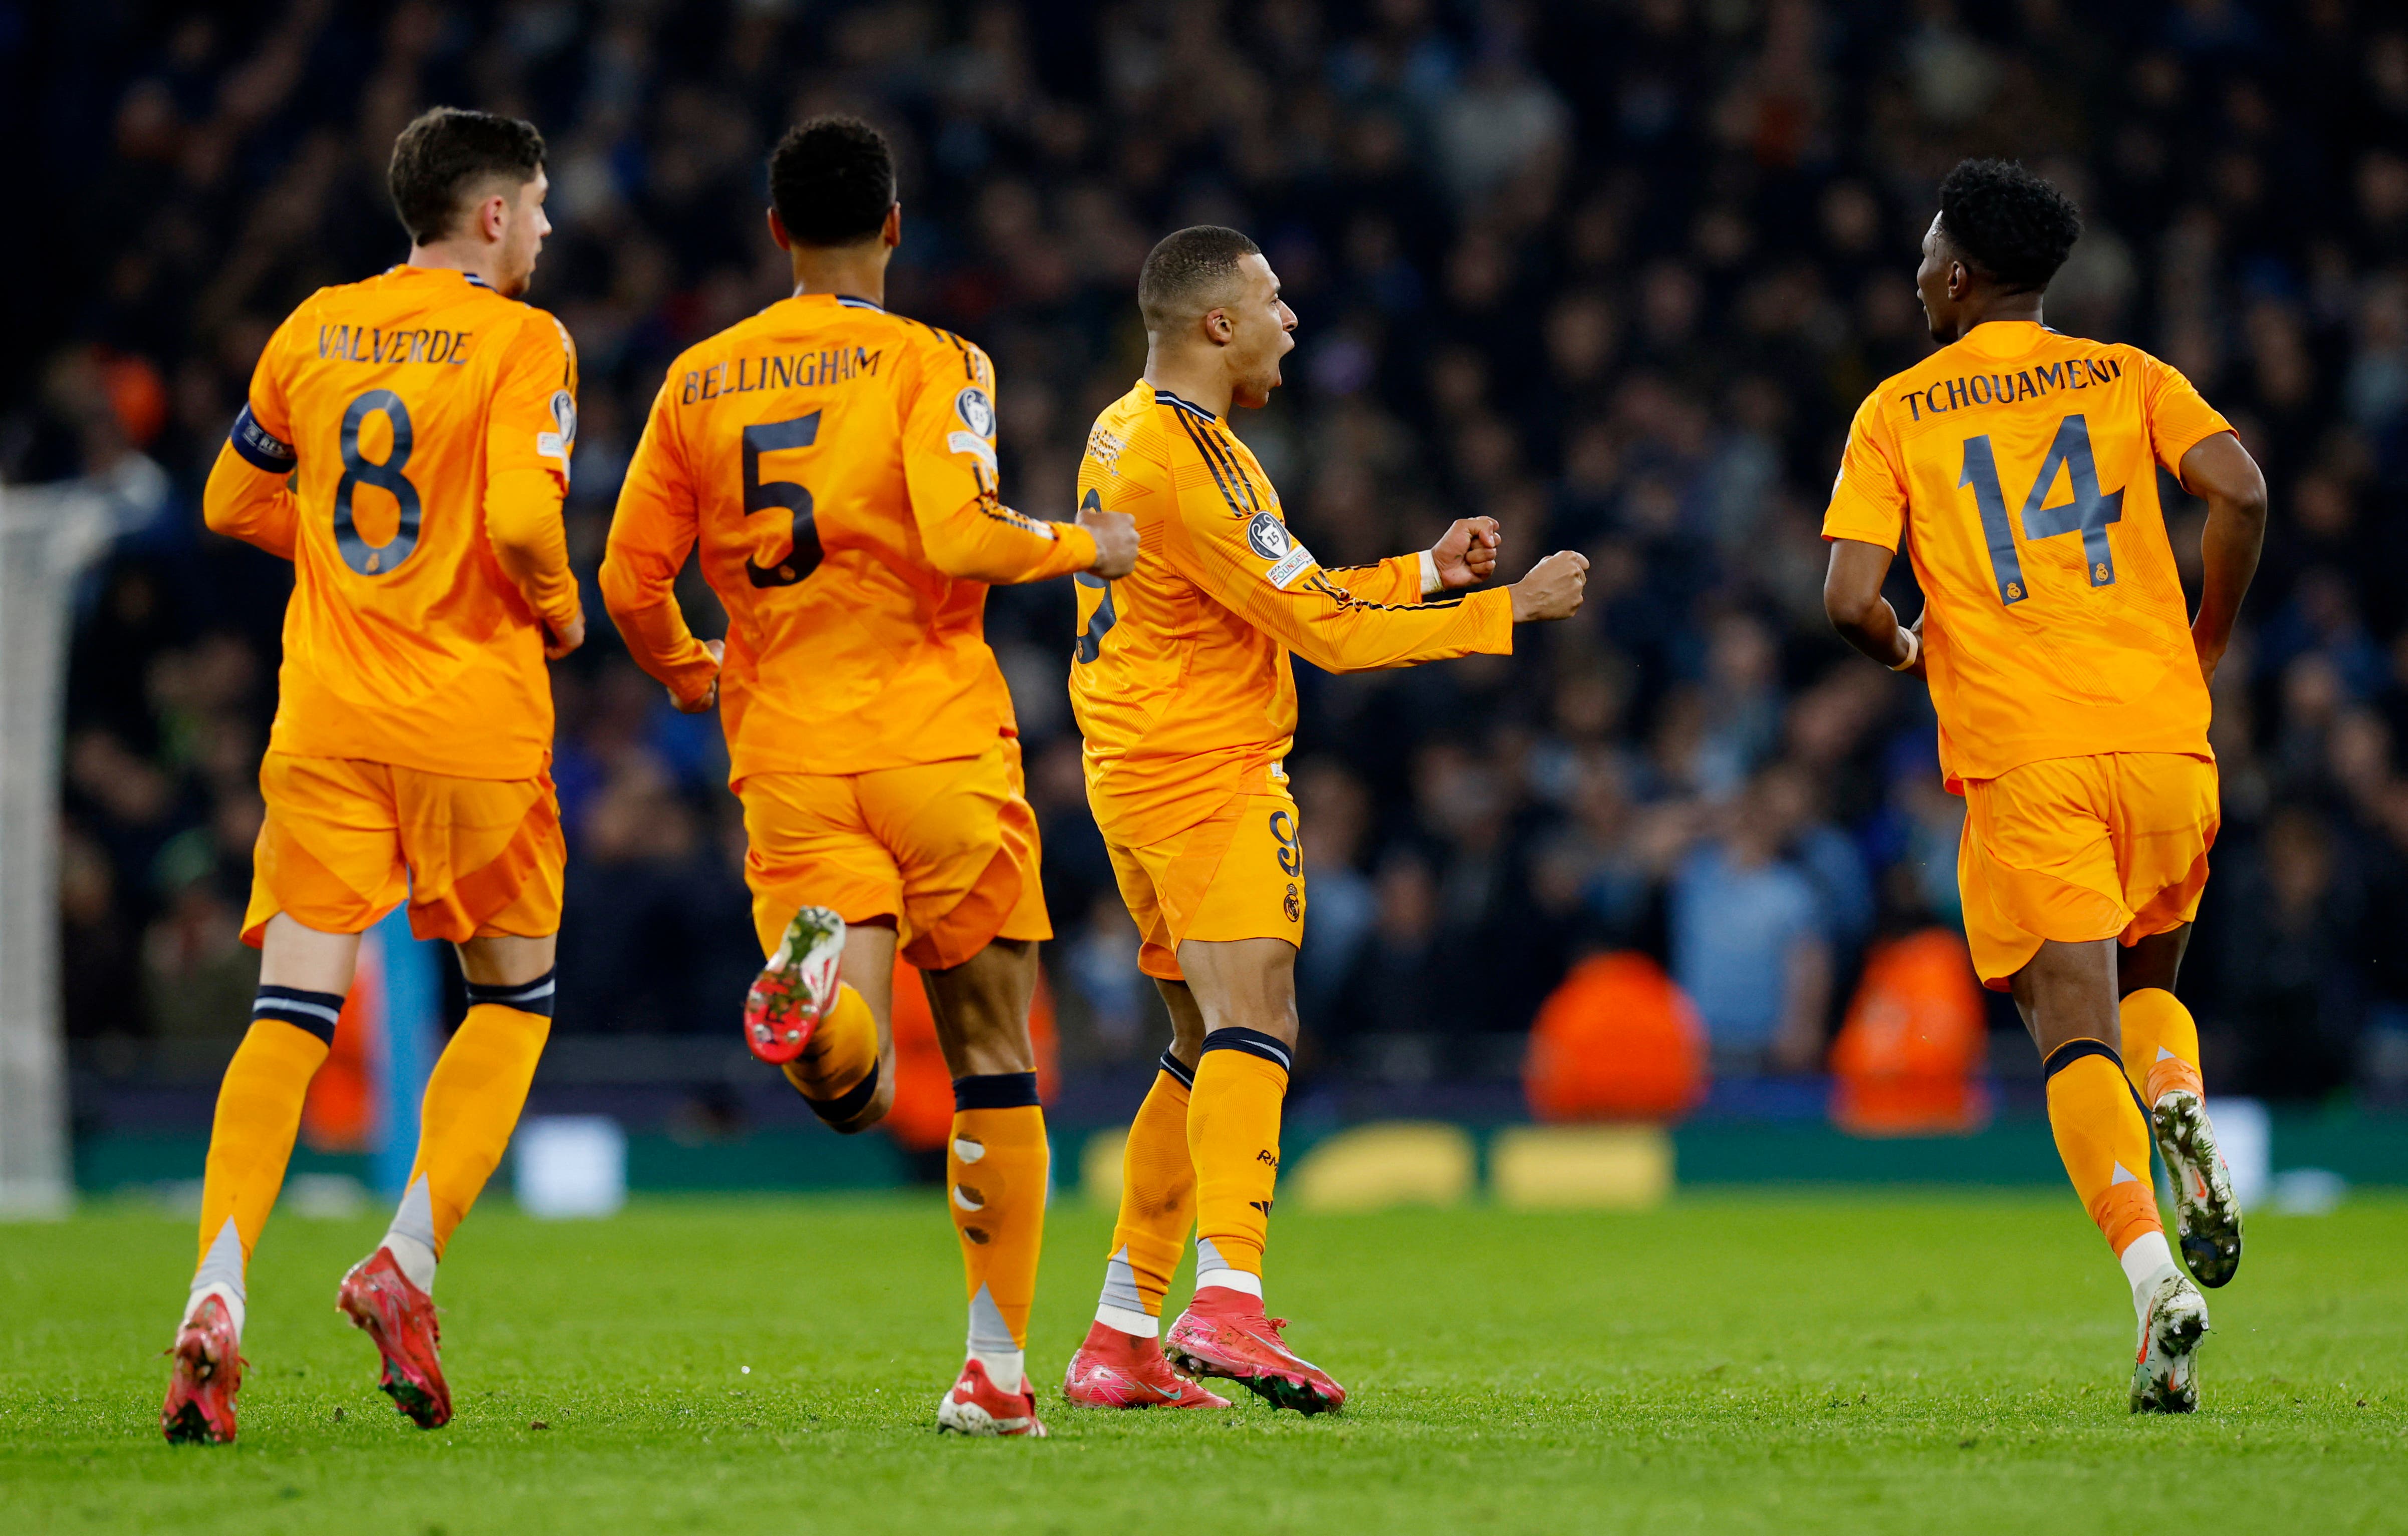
point(406, 445)
point(2071, 687)
point(837, 464)
point(1183, 687)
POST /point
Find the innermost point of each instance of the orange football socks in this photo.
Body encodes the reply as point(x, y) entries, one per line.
point(250, 1139)
point(1233, 1126)
point(2160, 1046)
point(1157, 1206)
point(473, 1098)
point(2103, 1140)
point(837, 1072)
point(995, 1185)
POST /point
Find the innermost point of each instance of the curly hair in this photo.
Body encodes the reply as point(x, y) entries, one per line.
point(2009, 224)
point(832, 179)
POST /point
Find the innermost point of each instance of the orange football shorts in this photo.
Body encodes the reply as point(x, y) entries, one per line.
point(345, 841)
point(1237, 874)
point(2078, 848)
point(949, 850)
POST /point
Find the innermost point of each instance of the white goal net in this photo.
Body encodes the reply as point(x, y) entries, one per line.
point(48, 536)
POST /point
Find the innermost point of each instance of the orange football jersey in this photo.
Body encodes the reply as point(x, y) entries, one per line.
point(419, 427)
point(1180, 679)
point(837, 464)
point(2022, 464)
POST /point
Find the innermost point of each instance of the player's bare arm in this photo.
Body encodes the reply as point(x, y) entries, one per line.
point(1852, 601)
point(2220, 472)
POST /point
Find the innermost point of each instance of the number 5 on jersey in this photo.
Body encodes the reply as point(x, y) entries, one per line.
point(2088, 514)
point(1095, 622)
point(803, 549)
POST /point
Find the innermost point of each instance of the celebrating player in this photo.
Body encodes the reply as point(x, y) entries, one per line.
point(837, 464)
point(2073, 695)
point(406, 445)
point(1183, 687)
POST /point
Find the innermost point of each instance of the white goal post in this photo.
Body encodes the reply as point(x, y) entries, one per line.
point(48, 537)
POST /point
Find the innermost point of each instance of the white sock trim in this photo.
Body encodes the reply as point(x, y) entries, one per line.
point(2147, 1261)
point(1136, 1324)
point(224, 1292)
point(1007, 1368)
point(417, 1260)
point(1235, 1280)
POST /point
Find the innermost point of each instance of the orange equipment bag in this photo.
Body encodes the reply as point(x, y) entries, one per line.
point(1909, 1060)
point(1617, 1041)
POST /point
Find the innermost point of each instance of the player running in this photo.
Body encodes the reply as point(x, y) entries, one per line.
point(406, 445)
point(1182, 688)
point(2073, 695)
point(837, 464)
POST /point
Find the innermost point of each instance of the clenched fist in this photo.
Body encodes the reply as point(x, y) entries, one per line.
point(1468, 554)
point(1115, 541)
point(1553, 589)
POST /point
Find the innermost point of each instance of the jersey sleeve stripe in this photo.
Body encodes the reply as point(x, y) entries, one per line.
point(1212, 463)
point(1339, 594)
point(1220, 449)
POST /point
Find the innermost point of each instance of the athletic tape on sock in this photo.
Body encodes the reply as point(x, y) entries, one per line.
point(1212, 1272)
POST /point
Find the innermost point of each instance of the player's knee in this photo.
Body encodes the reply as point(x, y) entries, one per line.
point(882, 1099)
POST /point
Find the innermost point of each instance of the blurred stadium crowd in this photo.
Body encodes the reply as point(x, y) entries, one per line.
point(1614, 272)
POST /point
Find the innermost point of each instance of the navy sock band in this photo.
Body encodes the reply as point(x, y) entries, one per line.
point(1180, 1069)
point(1254, 1042)
point(526, 996)
point(845, 1106)
point(995, 1091)
point(315, 1012)
point(2074, 1050)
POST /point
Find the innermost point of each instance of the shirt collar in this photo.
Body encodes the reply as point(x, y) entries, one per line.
point(848, 300)
point(1168, 398)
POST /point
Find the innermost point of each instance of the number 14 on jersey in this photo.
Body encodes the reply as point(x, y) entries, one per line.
point(2088, 514)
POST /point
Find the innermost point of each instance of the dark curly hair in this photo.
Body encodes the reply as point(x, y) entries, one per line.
point(2008, 223)
point(446, 154)
point(832, 179)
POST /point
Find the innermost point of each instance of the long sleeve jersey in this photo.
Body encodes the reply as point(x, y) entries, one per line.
point(1181, 680)
point(406, 445)
point(837, 465)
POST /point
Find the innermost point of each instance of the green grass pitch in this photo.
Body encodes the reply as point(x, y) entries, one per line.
point(1912, 1361)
